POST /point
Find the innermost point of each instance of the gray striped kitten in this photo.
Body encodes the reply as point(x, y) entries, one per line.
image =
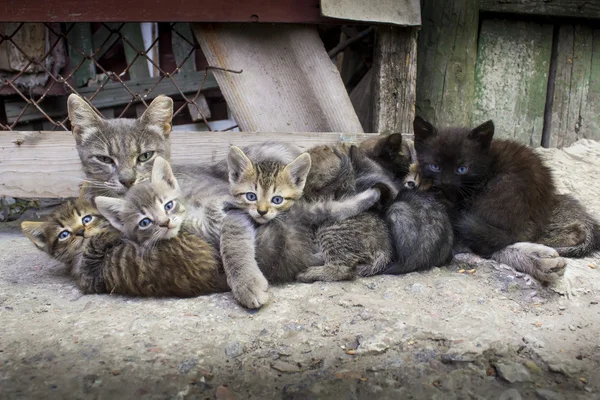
point(158, 255)
point(268, 186)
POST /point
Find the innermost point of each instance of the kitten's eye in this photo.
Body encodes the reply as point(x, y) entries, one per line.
point(277, 200)
point(87, 219)
point(145, 156)
point(462, 170)
point(64, 234)
point(105, 159)
point(169, 206)
point(145, 223)
point(434, 167)
point(251, 196)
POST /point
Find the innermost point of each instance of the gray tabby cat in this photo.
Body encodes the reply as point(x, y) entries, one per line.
point(117, 154)
point(293, 235)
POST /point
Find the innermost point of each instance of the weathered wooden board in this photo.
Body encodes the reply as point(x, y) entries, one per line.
point(288, 83)
point(114, 94)
point(394, 79)
point(80, 43)
point(46, 164)
point(447, 52)
point(512, 78)
point(559, 8)
point(398, 12)
point(292, 11)
point(576, 106)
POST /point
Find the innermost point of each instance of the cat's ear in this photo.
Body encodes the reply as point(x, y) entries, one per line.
point(423, 131)
point(390, 144)
point(238, 163)
point(84, 120)
point(159, 114)
point(112, 209)
point(34, 231)
point(298, 169)
point(161, 171)
point(483, 134)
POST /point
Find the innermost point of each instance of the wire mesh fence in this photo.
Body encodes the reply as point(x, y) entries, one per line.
point(118, 67)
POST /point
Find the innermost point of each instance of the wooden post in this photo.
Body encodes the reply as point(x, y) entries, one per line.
point(447, 50)
point(80, 38)
point(394, 79)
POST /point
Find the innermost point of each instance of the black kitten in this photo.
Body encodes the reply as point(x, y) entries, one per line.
point(499, 191)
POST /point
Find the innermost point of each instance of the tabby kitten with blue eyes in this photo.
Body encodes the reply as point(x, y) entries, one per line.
point(288, 239)
point(158, 255)
point(117, 153)
point(65, 235)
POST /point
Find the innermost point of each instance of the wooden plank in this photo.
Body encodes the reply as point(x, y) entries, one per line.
point(114, 94)
point(291, 11)
point(557, 8)
point(79, 39)
point(134, 44)
point(576, 105)
point(31, 38)
point(394, 79)
point(181, 37)
point(288, 83)
point(396, 12)
point(99, 39)
point(46, 164)
point(447, 49)
point(512, 78)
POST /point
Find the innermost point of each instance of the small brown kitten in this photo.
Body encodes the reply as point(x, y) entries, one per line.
point(65, 235)
point(157, 256)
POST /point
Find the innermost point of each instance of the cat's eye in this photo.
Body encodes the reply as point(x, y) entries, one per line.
point(169, 206)
point(87, 219)
point(145, 223)
point(64, 234)
point(145, 156)
point(277, 200)
point(251, 196)
point(462, 170)
point(434, 167)
point(105, 159)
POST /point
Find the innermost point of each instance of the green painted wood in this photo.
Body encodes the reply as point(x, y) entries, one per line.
point(80, 38)
point(557, 8)
point(576, 109)
point(182, 47)
point(133, 44)
point(511, 78)
point(447, 52)
point(99, 39)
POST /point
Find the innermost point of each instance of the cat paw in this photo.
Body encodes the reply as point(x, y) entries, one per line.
point(251, 292)
point(547, 264)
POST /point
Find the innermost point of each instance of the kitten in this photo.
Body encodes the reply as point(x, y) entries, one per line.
point(417, 223)
point(118, 153)
point(269, 189)
point(158, 256)
point(502, 197)
point(66, 232)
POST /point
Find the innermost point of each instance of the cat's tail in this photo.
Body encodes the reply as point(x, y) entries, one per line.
point(572, 230)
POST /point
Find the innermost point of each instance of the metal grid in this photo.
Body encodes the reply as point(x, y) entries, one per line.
point(34, 84)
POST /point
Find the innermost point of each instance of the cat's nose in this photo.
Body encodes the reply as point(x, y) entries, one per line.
point(127, 182)
point(165, 224)
point(262, 212)
point(80, 232)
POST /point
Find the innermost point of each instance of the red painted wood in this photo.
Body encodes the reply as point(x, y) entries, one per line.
point(294, 11)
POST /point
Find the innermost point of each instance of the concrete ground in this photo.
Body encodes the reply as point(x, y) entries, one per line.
point(486, 333)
